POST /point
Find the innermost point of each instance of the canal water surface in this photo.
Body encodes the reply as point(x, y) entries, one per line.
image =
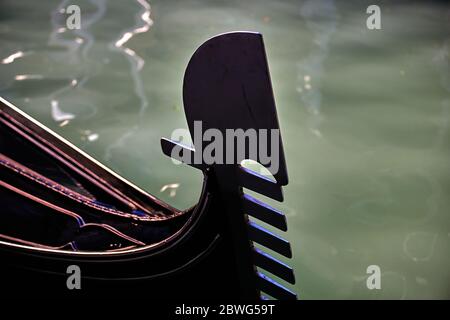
point(365, 118)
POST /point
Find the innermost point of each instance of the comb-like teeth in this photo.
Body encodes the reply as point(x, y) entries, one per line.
point(273, 266)
point(264, 212)
point(274, 289)
point(259, 183)
point(269, 239)
point(167, 147)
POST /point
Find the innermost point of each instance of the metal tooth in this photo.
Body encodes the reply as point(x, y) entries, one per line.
point(187, 152)
point(269, 239)
point(274, 289)
point(274, 266)
point(264, 212)
point(259, 183)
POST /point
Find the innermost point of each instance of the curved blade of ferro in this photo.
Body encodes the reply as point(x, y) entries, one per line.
point(227, 86)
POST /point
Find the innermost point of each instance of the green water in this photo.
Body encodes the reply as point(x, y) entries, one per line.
point(365, 118)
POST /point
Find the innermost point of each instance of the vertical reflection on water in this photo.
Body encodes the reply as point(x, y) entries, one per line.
point(82, 43)
point(321, 19)
point(87, 21)
point(143, 24)
point(58, 28)
point(84, 36)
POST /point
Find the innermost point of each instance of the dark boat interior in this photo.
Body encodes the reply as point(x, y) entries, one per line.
point(61, 209)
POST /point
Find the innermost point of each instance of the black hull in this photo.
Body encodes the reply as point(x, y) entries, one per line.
point(195, 261)
point(199, 264)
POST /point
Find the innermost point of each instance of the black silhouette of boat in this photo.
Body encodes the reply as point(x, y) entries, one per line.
point(60, 207)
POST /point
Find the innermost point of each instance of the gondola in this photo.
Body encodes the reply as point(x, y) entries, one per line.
point(62, 208)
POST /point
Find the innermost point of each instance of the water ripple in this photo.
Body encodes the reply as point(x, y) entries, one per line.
point(143, 24)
